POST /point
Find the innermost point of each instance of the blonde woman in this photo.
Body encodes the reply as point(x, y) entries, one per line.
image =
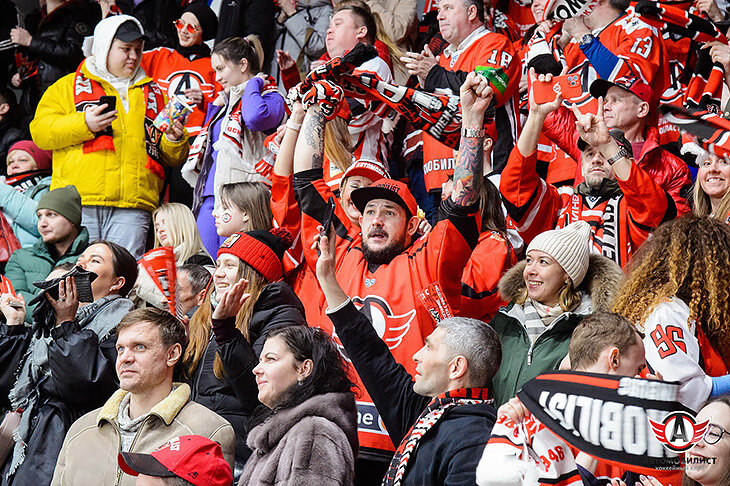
point(174, 226)
point(711, 191)
point(219, 370)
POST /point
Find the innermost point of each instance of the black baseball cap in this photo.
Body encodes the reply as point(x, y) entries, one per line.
point(129, 31)
point(617, 135)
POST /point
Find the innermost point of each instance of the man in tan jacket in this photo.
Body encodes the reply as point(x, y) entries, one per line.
point(148, 410)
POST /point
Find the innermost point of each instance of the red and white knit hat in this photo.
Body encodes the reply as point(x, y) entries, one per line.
point(262, 250)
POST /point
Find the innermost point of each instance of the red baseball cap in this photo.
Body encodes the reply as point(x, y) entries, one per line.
point(193, 458)
point(600, 87)
point(365, 168)
point(389, 189)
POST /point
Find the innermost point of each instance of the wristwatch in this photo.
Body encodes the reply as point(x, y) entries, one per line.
point(472, 132)
point(622, 152)
point(585, 40)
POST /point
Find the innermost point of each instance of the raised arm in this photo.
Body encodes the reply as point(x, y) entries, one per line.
point(475, 98)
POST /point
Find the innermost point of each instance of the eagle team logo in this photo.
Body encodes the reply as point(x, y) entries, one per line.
point(679, 431)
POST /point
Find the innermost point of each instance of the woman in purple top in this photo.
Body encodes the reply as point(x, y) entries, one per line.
point(232, 141)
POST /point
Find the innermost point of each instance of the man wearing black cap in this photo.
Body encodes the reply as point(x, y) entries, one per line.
point(620, 201)
point(99, 123)
point(385, 268)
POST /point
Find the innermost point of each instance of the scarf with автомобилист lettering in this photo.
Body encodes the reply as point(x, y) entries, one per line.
point(617, 419)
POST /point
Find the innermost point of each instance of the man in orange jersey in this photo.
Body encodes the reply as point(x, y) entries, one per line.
point(385, 267)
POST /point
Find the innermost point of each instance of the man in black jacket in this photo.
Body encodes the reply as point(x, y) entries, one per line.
point(447, 399)
point(440, 420)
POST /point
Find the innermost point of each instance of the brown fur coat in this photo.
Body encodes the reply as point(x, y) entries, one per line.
point(312, 444)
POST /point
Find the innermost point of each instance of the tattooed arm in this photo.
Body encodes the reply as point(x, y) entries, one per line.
point(309, 152)
point(475, 98)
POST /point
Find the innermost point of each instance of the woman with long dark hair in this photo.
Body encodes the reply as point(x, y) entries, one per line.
point(59, 377)
point(310, 432)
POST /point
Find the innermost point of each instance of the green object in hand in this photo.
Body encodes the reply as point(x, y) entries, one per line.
point(496, 77)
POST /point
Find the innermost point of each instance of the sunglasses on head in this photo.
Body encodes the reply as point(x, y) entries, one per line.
point(180, 24)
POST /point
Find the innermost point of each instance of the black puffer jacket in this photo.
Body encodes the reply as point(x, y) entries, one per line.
point(58, 38)
point(235, 396)
point(82, 377)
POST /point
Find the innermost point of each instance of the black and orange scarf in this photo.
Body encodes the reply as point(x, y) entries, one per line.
point(87, 92)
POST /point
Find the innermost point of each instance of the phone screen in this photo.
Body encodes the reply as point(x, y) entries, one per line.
point(327, 221)
point(110, 102)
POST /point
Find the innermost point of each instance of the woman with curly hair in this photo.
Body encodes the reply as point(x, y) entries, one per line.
point(677, 294)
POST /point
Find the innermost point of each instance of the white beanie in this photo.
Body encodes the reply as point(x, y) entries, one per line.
point(569, 246)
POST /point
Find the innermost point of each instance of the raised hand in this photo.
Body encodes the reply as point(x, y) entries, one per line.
point(592, 128)
point(476, 96)
point(542, 109)
point(232, 300)
point(68, 301)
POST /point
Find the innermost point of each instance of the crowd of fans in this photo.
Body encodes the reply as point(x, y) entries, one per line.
point(386, 218)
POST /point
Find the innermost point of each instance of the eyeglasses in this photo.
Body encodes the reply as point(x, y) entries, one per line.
point(714, 433)
point(180, 24)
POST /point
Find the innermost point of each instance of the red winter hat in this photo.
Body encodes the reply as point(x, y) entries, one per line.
point(372, 170)
point(262, 250)
point(389, 189)
point(193, 458)
point(42, 158)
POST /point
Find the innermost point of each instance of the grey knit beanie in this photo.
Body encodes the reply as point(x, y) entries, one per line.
point(569, 246)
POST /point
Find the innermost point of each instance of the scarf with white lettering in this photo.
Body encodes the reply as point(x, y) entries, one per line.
point(618, 419)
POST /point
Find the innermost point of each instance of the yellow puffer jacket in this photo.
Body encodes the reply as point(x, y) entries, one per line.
point(105, 178)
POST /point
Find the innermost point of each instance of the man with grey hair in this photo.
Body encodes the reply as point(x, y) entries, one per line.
point(439, 419)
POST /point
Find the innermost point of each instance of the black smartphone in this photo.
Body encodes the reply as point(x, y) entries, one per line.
point(110, 102)
point(328, 215)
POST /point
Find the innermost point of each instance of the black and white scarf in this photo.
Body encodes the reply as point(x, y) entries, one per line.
point(430, 416)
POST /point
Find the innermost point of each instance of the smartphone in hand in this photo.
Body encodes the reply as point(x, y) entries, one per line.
point(328, 215)
point(110, 102)
point(568, 85)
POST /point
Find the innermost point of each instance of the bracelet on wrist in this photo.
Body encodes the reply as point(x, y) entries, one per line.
point(290, 125)
point(469, 132)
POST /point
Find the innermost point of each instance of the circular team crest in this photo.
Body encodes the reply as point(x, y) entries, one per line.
point(679, 431)
point(181, 81)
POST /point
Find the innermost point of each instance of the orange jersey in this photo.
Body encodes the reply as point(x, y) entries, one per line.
point(484, 49)
point(491, 258)
point(639, 47)
point(619, 223)
point(174, 74)
point(388, 294)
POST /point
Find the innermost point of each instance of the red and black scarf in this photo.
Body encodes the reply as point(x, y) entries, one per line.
point(25, 180)
point(87, 92)
point(607, 416)
point(430, 416)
